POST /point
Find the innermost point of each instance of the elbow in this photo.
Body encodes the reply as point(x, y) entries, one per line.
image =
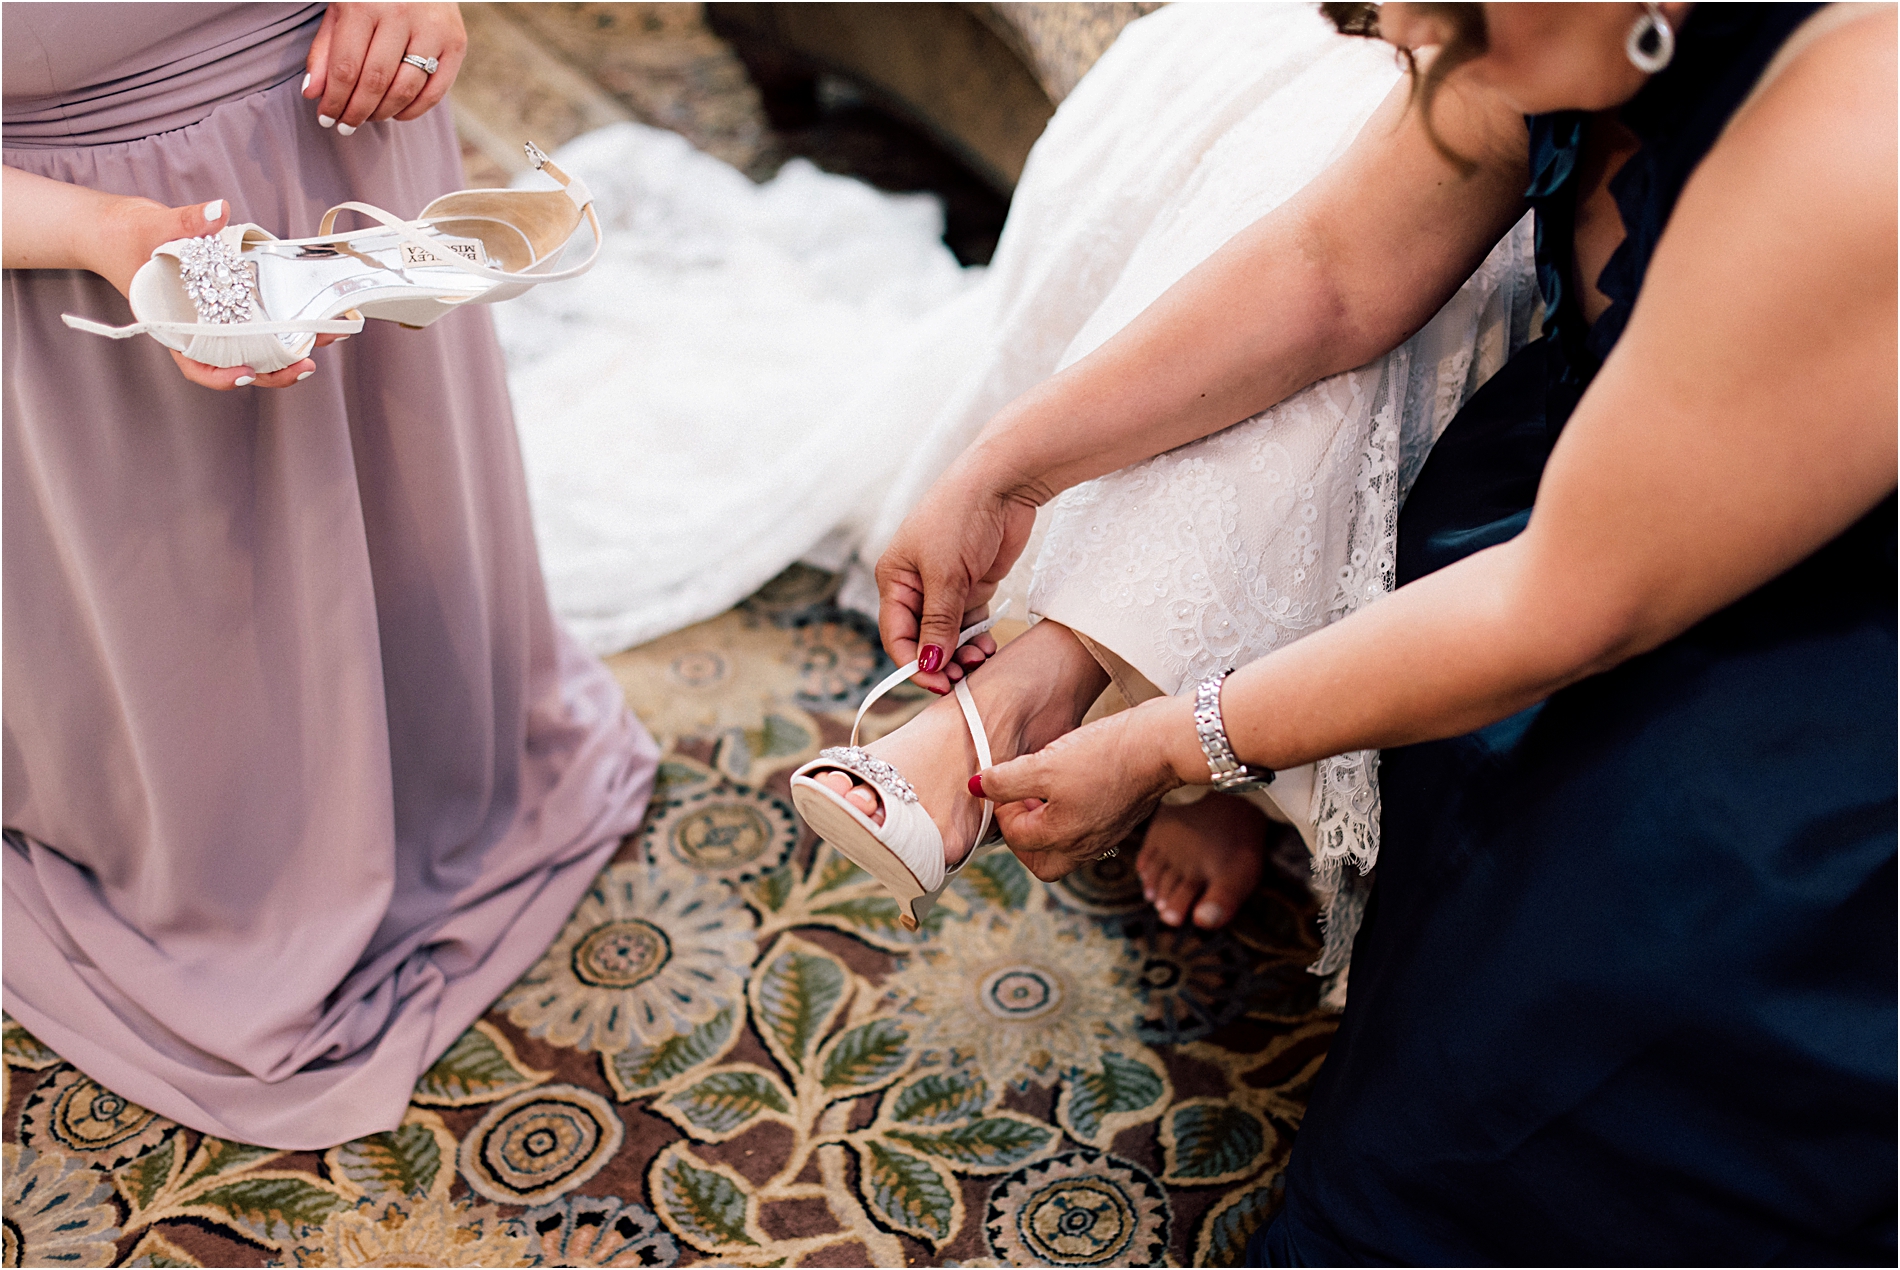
point(1582, 625)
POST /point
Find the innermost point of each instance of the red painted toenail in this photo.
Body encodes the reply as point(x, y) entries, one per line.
point(930, 660)
point(976, 785)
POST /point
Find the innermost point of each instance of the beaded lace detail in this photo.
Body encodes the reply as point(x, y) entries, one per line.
point(1218, 552)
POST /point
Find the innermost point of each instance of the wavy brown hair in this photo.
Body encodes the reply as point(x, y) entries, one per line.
point(1468, 40)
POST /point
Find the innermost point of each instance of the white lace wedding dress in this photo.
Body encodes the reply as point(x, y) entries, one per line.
point(1218, 552)
point(752, 375)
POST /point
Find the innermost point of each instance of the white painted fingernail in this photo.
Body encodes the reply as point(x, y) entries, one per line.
point(324, 121)
point(306, 83)
point(345, 130)
point(1210, 915)
point(245, 381)
point(214, 209)
point(307, 374)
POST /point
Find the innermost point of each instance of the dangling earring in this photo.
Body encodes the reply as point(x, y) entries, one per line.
point(1651, 42)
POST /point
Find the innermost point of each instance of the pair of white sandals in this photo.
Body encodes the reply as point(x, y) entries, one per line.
point(244, 297)
point(906, 852)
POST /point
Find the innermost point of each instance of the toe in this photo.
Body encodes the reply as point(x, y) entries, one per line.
point(1222, 899)
point(1148, 869)
point(859, 796)
point(1174, 900)
point(865, 801)
point(1153, 874)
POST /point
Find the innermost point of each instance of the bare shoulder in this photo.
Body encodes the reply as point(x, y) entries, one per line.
point(1796, 204)
point(1826, 124)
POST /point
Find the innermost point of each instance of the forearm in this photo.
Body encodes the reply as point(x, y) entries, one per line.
point(1338, 275)
point(1464, 647)
point(1256, 322)
point(44, 219)
point(53, 225)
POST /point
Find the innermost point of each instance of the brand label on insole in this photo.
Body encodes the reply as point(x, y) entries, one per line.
point(414, 255)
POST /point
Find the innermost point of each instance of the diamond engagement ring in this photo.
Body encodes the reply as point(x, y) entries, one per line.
point(1109, 854)
point(426, 65)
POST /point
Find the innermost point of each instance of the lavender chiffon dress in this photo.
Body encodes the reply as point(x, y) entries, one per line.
point(299, 772)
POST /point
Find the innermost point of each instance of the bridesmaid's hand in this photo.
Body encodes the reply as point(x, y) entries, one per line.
point(57, 225)
point(356, 64)
point(132, 228)
point(1086, 792)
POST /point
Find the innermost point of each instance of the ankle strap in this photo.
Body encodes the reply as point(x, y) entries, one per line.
point(411, 232)
point(232, 330)
point(909, 668)
point(978, 733)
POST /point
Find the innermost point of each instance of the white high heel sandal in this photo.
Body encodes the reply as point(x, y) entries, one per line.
point(243, 297)
point(905, 853)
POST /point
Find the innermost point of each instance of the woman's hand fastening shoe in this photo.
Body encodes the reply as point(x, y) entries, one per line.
point(1085, 793)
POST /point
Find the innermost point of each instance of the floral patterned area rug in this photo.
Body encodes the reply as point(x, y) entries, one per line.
point(734, 1053)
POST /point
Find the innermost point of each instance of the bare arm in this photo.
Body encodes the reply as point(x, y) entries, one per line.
point(1341, 273)
point(54, 225)
point(1746, 418)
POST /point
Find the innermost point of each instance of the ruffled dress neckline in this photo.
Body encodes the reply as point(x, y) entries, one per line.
point(1721, 52)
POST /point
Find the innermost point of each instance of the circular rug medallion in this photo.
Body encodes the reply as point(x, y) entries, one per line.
point(622, 954)
point(71, 1112)
point(730, 832)
point(699, 668)
point(539, 1144)
point(838, 657)
point(1104, 888)
point(1193, 981)
point(1021, 992)
point(1084, 1208)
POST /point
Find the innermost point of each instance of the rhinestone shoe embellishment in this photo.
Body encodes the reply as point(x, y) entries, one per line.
point(217, 280)
point(861, 762)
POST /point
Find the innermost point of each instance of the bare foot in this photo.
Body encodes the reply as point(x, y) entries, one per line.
point(1033, 691)
point(1205, 857)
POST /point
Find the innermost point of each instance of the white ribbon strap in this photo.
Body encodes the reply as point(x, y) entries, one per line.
point(978, 733)
point(410, 232)
point(234, 330)
point(909, 668)
point(575, 187)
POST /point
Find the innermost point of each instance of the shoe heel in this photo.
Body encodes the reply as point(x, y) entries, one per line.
point(911, 914)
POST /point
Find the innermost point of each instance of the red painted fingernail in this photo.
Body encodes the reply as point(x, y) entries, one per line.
point(976, 785)
point(930, 659)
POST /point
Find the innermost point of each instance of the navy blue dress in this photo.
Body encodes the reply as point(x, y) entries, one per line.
point(1625, 990)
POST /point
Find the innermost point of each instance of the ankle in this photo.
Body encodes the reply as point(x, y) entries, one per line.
point(1044, 679)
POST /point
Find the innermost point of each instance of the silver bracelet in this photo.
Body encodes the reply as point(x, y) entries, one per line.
point(1230, 774)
